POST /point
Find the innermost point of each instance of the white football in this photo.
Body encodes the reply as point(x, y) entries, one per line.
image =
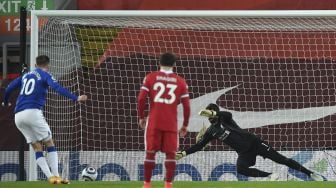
point(89, 174)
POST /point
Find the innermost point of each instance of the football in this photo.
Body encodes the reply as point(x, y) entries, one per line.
point(89, 174)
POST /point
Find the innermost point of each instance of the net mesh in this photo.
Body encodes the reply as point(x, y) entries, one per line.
point(276, 76)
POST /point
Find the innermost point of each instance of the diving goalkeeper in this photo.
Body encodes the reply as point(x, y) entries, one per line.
point(246, 144)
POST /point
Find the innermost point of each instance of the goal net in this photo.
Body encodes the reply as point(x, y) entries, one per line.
point(276, 75)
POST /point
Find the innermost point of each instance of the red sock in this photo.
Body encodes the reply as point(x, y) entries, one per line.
point(149, 165)
point(170, 165)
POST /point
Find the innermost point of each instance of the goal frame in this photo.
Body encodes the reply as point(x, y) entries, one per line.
point(35, 14)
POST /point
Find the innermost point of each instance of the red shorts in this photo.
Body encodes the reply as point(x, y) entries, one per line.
point(158, 140)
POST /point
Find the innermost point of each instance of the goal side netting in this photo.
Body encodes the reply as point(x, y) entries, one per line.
point(276, 75)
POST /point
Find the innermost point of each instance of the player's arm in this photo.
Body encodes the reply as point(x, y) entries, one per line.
point(61, 90)
point(142, 103)
point(185, 100)
point(197, 147)
point(225, 115)
point(211, 113)
point(10, 88)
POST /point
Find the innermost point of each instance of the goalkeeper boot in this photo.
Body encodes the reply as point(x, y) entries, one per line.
point(316, 177)
point(168, 185)
point(147, 185)
point(54, 180)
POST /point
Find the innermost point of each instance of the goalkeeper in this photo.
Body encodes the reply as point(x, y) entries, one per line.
point(246, 144)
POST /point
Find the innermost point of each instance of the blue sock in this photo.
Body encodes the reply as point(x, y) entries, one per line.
point(38, 154)
point(42, 163)
point(51, 148)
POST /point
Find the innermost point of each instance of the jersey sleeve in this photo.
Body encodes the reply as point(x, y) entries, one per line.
point(58, 88)
point(11, 87)
point(226, 116)
point(207, 137)
point(142, 98)
point(185, 103)
point(145, 84)
point(184, 92)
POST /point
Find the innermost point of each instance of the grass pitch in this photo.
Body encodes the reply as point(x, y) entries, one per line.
point(132, 184)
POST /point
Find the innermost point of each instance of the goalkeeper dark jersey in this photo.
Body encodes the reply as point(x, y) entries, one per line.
point(227, 131)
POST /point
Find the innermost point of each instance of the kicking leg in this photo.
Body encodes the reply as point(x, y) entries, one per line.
point(41, 161)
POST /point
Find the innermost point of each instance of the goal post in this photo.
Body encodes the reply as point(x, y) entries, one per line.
point(273, 70)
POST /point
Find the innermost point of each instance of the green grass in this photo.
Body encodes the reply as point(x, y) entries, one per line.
point(76, 184)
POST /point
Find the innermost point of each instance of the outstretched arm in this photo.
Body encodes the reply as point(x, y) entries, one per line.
point(211, 113)
point(59, 89)
point(197, 147)
point(225, 115)
point(200, 144)
point(10, 88)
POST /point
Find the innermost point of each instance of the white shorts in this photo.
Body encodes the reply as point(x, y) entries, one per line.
point(32, 125)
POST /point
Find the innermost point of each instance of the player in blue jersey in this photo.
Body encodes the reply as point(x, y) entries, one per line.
point(29, 118)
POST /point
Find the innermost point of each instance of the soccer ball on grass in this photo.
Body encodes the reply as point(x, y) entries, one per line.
point(89, 174)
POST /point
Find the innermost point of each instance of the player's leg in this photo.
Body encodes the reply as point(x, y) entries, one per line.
point(52, 156)
point(42, 130)
point(244, 163)
point(267, 151)
point(53, 159)
point(170, 146)
point(41, 160)
point(43, 133)
point(22, 123)
point(152, 145)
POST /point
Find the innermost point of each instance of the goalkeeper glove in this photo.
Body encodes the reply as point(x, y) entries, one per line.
point(207, 113)
point(180, 154)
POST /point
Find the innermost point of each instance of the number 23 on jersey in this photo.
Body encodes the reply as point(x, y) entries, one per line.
point(161, 89)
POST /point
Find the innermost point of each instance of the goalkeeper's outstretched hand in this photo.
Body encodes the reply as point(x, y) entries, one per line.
point(207, 113)
point(180, 154)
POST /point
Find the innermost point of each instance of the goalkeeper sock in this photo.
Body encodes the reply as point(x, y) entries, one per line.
point(53, 160)
point(297, 166)
point(170, 165)
point(42, 163)
point(149, 165)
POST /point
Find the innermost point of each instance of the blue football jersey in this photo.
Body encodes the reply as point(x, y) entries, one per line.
point(34, 87)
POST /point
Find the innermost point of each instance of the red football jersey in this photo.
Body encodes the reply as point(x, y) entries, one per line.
point(165, 90)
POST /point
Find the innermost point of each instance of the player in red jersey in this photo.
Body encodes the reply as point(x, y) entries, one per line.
point(165, 90)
